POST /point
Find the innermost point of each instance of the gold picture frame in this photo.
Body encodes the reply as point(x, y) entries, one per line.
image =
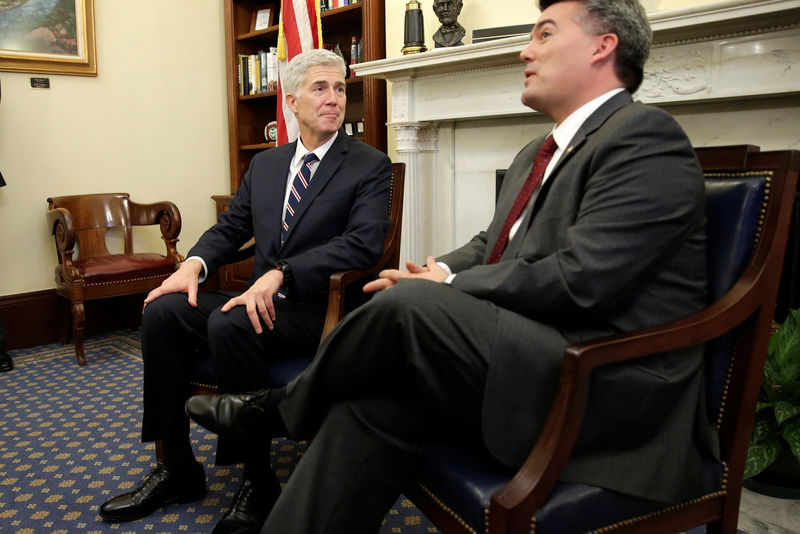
point(63, 44)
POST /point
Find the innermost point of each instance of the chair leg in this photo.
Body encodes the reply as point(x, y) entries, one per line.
point(78, 324)
point(66, 324)
point(159, 452)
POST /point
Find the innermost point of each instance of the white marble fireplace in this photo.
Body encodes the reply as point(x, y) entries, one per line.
point(728, 71)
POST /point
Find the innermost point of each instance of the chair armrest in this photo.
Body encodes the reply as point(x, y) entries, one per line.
point(530, 487)
point(336, 293)
point(59, 220)
point(61, 226)
point(166, 215)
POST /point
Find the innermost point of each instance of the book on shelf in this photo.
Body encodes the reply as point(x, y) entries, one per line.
point(272, 69)
point(258, 73)
point(327, 5)
point(263, 59)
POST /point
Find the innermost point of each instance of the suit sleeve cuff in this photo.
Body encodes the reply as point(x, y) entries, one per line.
point(204, 272)
point(449, 272)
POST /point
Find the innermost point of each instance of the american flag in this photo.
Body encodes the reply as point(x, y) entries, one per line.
point(300, 29)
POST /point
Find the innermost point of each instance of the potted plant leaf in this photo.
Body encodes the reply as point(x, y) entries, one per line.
point(773, 459)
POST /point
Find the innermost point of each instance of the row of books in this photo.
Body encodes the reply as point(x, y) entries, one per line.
point(258, 73)
point(325, 5)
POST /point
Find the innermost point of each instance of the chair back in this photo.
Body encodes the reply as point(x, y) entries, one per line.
point(391, 243)
point(735, 207)
point(92, 215)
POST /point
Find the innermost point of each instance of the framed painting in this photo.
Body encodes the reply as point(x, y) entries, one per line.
point(48, 36)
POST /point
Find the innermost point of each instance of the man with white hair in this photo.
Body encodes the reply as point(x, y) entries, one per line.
point(314, 207)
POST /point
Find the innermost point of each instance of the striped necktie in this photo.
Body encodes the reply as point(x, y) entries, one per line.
point(543, 157)
point(299, 186)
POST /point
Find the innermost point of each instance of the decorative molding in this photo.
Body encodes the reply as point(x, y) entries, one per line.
point(416, 137)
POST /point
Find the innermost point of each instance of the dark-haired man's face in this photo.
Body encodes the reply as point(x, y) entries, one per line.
point(557, 60)
point(447, 10)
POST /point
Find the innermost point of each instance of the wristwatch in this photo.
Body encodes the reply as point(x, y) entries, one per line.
point(286, 269)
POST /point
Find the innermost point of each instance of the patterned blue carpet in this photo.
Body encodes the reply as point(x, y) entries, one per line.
point(69, 440)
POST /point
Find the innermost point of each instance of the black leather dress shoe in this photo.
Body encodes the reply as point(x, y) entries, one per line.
point(158, 488)
point(6, 363)
point(250, 507)
point(240, 416)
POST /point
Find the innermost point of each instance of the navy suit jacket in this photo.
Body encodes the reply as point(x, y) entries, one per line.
point(340, 223)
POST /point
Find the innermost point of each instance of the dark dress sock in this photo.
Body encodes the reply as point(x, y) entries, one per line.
point(178, 455)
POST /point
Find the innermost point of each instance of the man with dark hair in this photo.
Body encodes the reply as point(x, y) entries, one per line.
point(314, 207)
point(599, 229)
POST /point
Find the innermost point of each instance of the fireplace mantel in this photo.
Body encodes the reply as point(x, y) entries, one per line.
point(726, 50)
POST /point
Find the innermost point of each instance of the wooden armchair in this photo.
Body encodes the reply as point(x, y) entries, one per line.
point(96, 273)
point(748, 213)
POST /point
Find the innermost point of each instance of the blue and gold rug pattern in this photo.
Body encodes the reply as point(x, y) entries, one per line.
point(69, 440)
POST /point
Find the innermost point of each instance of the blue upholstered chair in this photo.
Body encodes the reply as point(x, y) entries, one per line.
point(748, 212)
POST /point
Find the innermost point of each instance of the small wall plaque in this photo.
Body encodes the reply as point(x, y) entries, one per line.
point(40, 83)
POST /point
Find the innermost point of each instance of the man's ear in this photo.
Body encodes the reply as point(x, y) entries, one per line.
point(291, 101)
point(606, 45)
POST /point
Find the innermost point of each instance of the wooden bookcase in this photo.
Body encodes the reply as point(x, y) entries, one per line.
point(248, 115)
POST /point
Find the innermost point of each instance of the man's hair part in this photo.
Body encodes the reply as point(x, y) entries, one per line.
point(628, 21)
point(301, 63)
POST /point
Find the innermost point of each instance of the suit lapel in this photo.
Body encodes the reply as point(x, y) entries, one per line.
point(590, 125)
point(325, 171)
point(273, 204)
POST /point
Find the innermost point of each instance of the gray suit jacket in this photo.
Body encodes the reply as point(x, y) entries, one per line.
point(615, 242)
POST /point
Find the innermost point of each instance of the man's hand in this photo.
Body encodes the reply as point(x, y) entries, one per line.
point(184, 280)
point(431, 271)
point(258, 300)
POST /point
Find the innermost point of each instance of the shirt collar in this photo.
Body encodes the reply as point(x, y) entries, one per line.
point(564, 132)
point(301, 151)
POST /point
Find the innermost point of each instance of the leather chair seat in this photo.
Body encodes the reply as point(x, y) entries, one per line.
point(113, 268)
point(282, 371)
point(465, 480)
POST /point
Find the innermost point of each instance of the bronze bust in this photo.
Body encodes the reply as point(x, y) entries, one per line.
point(451, 32)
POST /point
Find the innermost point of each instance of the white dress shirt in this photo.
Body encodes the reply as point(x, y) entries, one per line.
point(562, 135)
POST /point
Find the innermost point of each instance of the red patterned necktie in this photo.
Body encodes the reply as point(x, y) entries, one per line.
point(543, 157)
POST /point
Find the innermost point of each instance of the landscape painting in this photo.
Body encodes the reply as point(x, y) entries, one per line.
point(47, 36)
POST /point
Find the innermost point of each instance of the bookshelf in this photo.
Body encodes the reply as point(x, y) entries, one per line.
point(249, 114)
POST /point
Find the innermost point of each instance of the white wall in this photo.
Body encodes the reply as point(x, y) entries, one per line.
point(152, 123)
